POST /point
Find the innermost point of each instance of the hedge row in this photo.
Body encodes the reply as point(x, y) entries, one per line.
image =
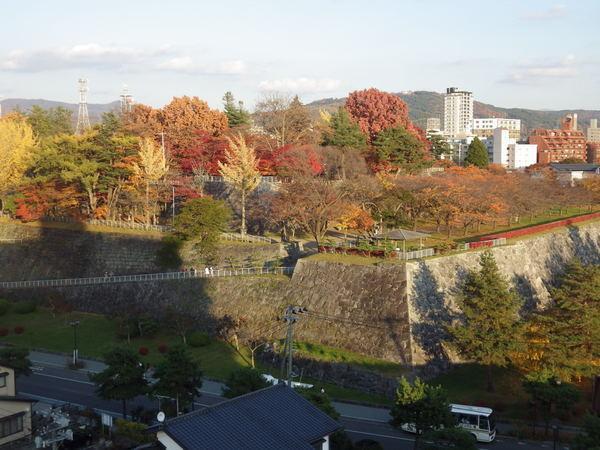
point(538, 228)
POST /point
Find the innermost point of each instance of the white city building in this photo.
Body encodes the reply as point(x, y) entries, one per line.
point(434, 124)
point(484, 127)
point(507, 152)
point(458, 113)
point(593, 132)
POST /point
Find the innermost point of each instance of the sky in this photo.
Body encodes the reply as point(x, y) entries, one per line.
point(540, 54)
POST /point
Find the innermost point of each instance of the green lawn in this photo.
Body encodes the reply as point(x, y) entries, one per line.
point(97, 334)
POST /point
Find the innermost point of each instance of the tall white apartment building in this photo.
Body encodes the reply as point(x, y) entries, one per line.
point(593, 132)
point(458, 113)
point(485, 127)
point(512, 155)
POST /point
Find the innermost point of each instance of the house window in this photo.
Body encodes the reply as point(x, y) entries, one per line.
point(2, 381)
point(11, 425)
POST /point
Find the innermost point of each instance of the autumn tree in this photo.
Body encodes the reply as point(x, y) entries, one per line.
point(150, 168)
point(17, 142)
point(477, 154)
point(184, 116)
point(236, 113)
point(142, 120)
point(311, 203)
point(375, 111)
point(285, 120)
point(489, 331)
point(239, 171)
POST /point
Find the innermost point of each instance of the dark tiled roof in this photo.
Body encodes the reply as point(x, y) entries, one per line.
point(575, 167)
point(273, 418)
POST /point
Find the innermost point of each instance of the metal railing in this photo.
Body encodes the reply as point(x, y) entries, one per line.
point(484, 244)
point(246, 238)
point(182, 275)
point(160, 228)
point(111, 223)
point(11, 241)
point(219, 179)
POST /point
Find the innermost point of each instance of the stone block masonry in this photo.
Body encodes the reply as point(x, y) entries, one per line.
point(395, 312)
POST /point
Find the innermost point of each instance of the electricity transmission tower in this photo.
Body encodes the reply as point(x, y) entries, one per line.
point(83, 118)
point(126, 100)
point(290, 317)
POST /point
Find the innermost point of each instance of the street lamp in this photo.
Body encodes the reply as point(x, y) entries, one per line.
point(75, 324)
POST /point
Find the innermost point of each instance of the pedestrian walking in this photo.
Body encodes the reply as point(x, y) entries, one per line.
point(206, 271)
point(212, 273)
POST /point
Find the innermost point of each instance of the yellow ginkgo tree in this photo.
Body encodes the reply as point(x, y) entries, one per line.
point(151, 167)
point(240, 171)
point(17, 142)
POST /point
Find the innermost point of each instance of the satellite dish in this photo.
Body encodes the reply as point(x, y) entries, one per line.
point(160, 417)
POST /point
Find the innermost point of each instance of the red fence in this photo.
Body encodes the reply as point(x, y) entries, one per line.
point(538, 228)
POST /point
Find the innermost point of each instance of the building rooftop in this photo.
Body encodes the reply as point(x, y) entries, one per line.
point(575, 167)
point(269, 419)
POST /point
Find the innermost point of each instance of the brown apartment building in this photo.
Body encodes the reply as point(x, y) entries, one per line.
point(557, 145)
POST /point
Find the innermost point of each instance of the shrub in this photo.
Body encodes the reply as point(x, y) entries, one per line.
point(25, 307)
point(163, 348)
point(19, 329)
point(143, 351)
point(4, 306)
point(3, 331)
point(167, 256)
point(198, 339)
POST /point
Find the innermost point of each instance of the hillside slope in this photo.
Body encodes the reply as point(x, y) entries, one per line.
point(95, 110)
point(424, 104)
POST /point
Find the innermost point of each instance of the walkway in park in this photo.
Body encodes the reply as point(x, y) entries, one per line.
point(181, 275)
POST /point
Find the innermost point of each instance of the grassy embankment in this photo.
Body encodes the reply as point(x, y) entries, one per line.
point(97, 334)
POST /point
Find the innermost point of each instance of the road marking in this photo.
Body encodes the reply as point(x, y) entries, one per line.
point(364, 419)
point(65, 379)
point(381, 435)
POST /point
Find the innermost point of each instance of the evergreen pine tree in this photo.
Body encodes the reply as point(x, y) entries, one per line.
point(236, 114)
point(345, 135)
point(423, 406)
point(477, 154)
point(490, 329)
point(566, 336)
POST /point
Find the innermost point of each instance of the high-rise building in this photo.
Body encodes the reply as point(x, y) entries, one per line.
point(557, 145)
point(458, 113)
point(593, 132)
point(484, 127)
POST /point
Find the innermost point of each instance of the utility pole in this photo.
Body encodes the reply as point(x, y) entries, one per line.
point(75, 324)
point(290, 317)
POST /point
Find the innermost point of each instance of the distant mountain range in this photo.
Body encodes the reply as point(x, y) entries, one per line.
point(95, 110)
point(421, 104)
point(424, 104)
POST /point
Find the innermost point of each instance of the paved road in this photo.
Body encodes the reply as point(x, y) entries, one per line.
point(52, 384)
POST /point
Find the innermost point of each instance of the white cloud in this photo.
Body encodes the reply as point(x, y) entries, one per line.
point(186, 64)
point(535, 72)
point(112, 57)
point(81, 55)
point(554, 12)
point(300, 85)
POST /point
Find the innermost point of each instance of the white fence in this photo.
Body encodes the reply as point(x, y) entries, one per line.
point(159, 228)
point(484, 244)
point(246, 238)
point(11, 241)
point(417, 254)
point(148, 277)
